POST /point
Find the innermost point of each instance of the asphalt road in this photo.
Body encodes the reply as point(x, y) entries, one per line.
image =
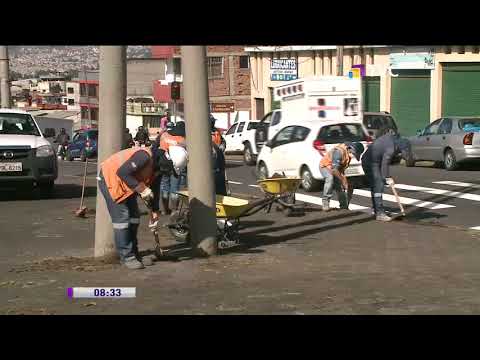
point(428, 194)
point(322, 263)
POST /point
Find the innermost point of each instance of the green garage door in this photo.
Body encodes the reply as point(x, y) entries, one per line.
point(461, 89)
point(371, 93)
point(410, 101)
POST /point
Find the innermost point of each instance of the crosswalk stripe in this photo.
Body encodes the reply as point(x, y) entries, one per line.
point(475, 228)
point(460, 195)
point(234, 182)
point(333, 203)
point(386, 197)
point(457, 183)
point(406, 200)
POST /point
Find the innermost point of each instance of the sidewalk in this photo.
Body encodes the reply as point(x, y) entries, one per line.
point(336, 263)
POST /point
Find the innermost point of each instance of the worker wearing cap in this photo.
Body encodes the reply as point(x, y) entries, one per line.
point(376, 165)
point(332, 168)
point(122, 177)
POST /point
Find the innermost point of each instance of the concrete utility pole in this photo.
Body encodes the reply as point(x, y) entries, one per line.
point(111, 125)
point(5, 78)
point(203, 226)
point(339, 60)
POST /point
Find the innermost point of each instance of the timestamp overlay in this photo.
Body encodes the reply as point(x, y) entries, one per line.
point(103, 292)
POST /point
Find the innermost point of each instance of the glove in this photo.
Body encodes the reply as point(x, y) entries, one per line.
point(389, 181)
point(147, 197)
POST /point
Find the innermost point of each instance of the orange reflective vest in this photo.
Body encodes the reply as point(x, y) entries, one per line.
point(217, 137)
point(119, 191)
point(167, 140)
point(345, 162)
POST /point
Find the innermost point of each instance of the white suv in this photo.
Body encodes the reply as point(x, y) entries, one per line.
point(26, 157)
point(240, 137)
point(296, 150)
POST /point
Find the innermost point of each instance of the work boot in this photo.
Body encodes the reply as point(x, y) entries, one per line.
point(383, 217)
point(325, 205)
point(133, 264)
point(343, 200)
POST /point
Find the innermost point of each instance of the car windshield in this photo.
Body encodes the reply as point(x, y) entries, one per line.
point(340, 133)
point(252, 125)
point(92, 134)
point(472, 124)
point(18, 124)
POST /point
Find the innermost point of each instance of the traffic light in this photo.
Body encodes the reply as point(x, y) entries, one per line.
point(175, 90)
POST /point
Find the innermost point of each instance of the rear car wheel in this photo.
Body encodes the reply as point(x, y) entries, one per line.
point(309, 184)
point(262, 172)
point(450, 160)
point(247, 155)
point(410, 162)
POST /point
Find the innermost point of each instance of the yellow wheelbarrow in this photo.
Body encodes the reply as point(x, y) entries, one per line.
point(230, 209)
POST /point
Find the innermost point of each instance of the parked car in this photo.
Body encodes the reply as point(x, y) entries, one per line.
point(25, 155)
point(83, 145)
point(296, 150)
point(447, 141)
point(240, 137)
point(376, 121)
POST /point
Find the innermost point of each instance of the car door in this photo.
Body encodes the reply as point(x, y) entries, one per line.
point(261, 133)
point(280, 151)
point(275, 125)
point(296, 150)
point(74, 147)
point(423, 145)
point(239, 137)
point(230, 138)
point(445, 137)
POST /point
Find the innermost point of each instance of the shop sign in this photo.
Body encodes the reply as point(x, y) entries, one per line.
point(407, 61)
point(283, 69)
point(222, 107)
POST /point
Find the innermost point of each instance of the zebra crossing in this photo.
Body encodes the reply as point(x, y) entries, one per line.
point(441, 197)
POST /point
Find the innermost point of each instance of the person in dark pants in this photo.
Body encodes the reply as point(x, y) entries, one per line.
point(219, 170)
point(122, 177)
point(376, 165)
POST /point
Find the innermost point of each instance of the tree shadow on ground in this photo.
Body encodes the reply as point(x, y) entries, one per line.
point(60, 191)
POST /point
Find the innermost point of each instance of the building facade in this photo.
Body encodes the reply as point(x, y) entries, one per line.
point(88, 82)
point(416, 84)
point(141, 74)
point(72, 97)
point(228, 81)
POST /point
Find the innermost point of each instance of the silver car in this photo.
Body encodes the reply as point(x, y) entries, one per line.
point(447, 141)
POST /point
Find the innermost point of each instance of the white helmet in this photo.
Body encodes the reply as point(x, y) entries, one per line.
point(179, 157)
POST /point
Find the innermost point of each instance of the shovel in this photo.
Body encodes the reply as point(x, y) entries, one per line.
point(402, 211)
point(82, 210)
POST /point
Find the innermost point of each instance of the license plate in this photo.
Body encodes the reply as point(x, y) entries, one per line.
point(10, 167)
point(353, 171)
